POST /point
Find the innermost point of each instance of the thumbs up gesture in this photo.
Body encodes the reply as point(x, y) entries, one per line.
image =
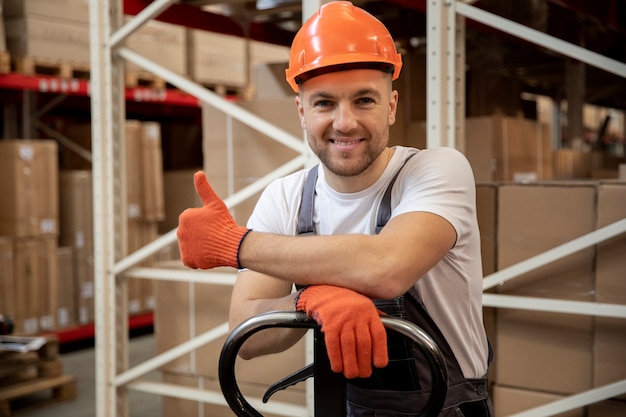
point(208, 236)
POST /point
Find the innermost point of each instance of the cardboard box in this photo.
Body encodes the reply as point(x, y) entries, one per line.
point(508, 149)
point(152, 172)
point(144, 171)
point(48, 283)
point(29, 186)
point(162, 43)
point(48, 41)
point(7, 280)
point(610, 334)
point(267, 70)
point(216, 58)
point(36, 290)
point(76, 11)
point(27, 273)
point(84, 284)
point(76, 209)
point(66, 299)
point(5, 65)
point(575, 164)
point(539, 351)
point(76, 190)
point(508, 401)
point(134, 170)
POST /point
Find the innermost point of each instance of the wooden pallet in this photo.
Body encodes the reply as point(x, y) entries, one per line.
point(39, 66)
point(31, 395)
point(228, 90)
point(32, 379)
point(134, 79)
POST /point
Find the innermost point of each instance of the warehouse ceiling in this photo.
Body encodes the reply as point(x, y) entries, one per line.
point(598, 25)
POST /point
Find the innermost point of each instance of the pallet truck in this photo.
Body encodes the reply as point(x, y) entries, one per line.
point(329, 387)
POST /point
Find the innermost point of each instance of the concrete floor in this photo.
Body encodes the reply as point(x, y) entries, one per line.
point(81, 364)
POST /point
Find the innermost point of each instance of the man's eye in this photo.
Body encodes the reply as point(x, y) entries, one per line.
point(323, 103)
point(365, 100)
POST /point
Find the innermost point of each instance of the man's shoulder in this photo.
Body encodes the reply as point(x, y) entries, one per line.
point(289, 183)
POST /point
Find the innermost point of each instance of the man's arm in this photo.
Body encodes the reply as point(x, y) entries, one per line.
point(253, 294)
point(380, 266)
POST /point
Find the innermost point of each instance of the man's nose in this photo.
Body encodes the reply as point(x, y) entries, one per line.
point(345, 119)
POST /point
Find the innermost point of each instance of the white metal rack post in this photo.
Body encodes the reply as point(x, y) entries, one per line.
point(446, 59)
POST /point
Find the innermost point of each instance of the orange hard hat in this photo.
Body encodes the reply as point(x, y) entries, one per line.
point(341, 36)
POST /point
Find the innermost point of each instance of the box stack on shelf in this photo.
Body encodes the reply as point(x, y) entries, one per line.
point(46, 228)
point(51, 37)
point(163, 43)
point(145, 209)
point(29, 221)
point(541, 356)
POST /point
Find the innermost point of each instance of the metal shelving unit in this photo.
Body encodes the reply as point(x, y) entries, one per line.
point(445, 86)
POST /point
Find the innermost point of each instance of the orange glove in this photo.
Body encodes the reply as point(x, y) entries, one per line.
point(208, 236)
point(354, 335)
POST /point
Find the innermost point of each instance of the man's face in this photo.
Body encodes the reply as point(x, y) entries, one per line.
point(346, 115)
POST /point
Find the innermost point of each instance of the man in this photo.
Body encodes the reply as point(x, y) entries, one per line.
point(394, 225)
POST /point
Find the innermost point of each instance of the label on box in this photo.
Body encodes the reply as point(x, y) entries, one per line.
point(134, 306)
point(31, 326)
point(63, 317)
point(26, 152)
point(134, 211)
point(152, 132)
point(80, 239)
point(150, 302)
point(86, 290)
point(46, 322)
point(83, 315)
point(48, 226)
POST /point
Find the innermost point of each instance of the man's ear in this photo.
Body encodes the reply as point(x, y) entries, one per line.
point(393, 107)
point(300, 111)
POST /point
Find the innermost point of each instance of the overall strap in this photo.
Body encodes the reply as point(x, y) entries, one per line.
point(384, 209)
point(305, 220)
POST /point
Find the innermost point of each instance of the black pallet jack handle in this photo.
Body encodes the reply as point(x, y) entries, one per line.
point(329, 387)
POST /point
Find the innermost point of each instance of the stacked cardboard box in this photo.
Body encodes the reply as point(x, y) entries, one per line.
point(215, 58)
point(29, 223)
point(508, 149)
point(144, 210)
point(541, 357)
point(76, 218)
point(610, 334)
point(163, 43)
point(48, 32)
point(221, 60)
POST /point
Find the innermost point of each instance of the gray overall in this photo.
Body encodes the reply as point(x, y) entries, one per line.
point(401, 389)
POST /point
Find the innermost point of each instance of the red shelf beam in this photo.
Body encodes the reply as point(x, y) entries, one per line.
point(87, 331)
point(80, 87)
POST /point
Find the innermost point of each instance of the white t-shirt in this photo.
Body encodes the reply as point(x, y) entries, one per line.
point(438, 181)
